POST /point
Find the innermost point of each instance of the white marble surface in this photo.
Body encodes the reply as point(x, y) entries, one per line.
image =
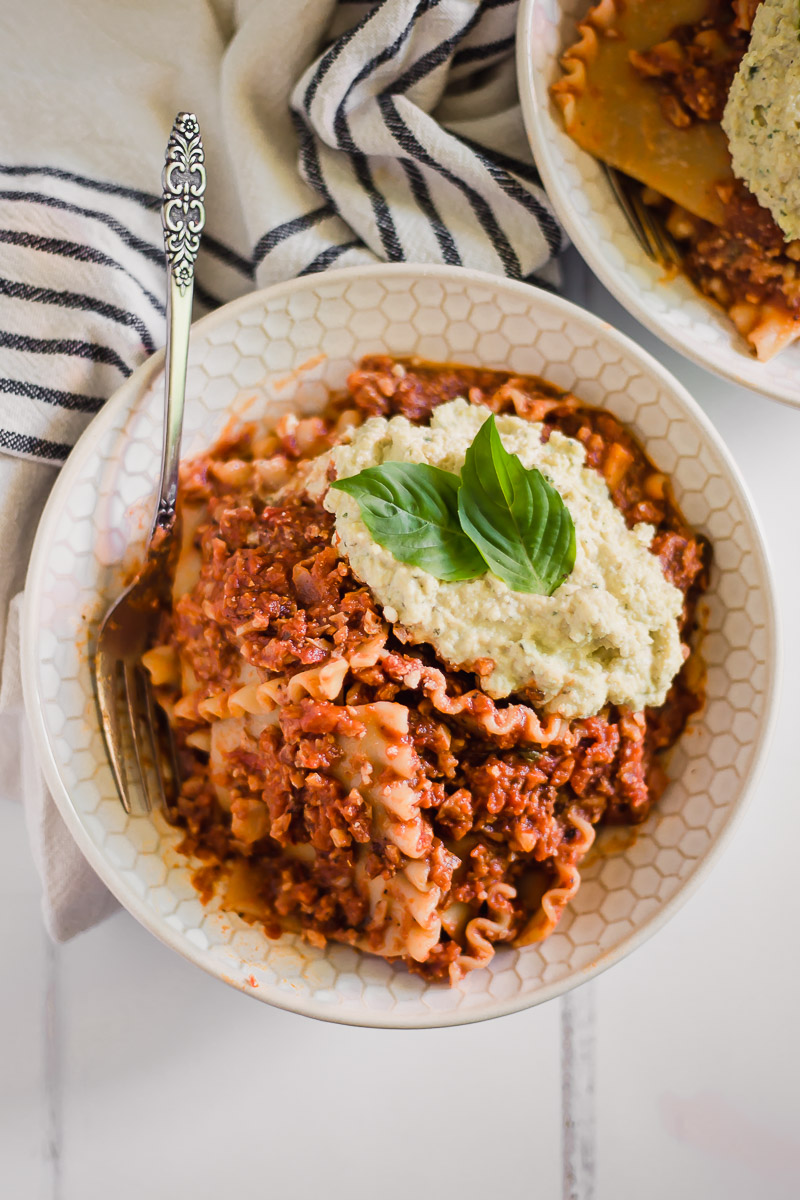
point(124, 1071)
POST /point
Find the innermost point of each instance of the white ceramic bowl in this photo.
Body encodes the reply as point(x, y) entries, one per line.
point(97, 515)
point(583, 199)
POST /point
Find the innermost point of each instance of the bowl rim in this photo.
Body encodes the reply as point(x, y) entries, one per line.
point(128, 395)
point(534, 114)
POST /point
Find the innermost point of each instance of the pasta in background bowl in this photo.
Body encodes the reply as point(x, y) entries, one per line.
point(283, 351)
point(670, 306)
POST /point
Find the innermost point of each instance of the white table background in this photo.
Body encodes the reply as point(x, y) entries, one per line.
point(127, 1073)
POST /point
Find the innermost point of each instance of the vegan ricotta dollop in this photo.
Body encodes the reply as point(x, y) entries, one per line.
point(762, 115)
point(608, 634)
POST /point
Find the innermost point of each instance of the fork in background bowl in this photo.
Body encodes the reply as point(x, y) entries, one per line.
point(646, 224)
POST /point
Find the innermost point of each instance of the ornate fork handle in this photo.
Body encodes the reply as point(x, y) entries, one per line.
point(183, 213)
point(183, 217)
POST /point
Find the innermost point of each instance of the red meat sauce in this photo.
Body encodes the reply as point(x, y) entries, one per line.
point(746, 260)
point(498, 806)
point(694, 67)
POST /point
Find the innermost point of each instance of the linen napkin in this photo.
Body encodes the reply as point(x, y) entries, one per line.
point(335, 134)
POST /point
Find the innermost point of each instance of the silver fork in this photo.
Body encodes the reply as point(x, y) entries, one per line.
point(134, 733)
point(646, 224)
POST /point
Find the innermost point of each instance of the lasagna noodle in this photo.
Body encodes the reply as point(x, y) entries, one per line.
point(615, 114)
point(558, 895)
point(482, 933)
point(382, 763)
point(766, 327)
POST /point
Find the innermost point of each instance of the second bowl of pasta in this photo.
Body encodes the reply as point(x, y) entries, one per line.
point(642, 88)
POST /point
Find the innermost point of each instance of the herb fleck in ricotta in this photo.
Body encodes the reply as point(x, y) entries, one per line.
point(762, 116)
point(609, 634)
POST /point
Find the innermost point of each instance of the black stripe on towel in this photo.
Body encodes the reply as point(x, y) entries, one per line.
point(328, 256)
point(205, 296)
point(78, 251)
point(435, 57)
point(477, 54)
point(525, 170)
point(309, 158)
point(147, 200)
point(76, 300)
point(21, 443)
point(279, 233)
point(419, 190)
point(71, 347)
point(547, 223)
point(483, 212)
point(344, 139)
point(381, 211)
point(73, 401)
point(330, 56)
point(227, 255)
point(535, 281)
point(132, 240)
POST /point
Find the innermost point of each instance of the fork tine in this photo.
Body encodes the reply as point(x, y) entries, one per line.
point(152, 735)
point(622, 197)
point(646, 225)
point(175, 770)
point(108, 695)
point(133, 699)
point(672, 253)
point(666, 249)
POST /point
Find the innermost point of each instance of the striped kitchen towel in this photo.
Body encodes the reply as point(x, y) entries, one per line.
point(402, 139)
point(335, 134)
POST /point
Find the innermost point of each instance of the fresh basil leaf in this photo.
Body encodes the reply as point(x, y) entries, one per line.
point(516, 519)
point(411, 509)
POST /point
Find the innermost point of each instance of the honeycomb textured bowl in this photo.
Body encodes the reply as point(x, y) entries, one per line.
point(583, 199)
point(245, 358)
